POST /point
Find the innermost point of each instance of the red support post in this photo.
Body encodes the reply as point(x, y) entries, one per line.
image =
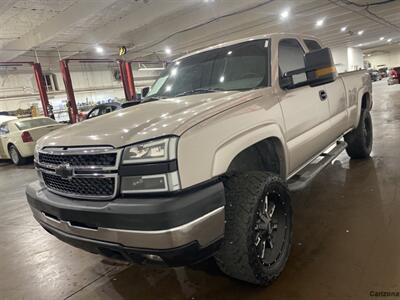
point(71, 105)
point(37, 70)
point(121, 65)
point(130, 81)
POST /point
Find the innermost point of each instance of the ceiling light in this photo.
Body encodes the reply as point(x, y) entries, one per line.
point(320, 22)
point(381, 38)
point(230, 52)
point(389, 40)
point(167, 51)
point(343, 29)
point(359, 45)
point(360, 32)
point(285, 14)
point(99, 49)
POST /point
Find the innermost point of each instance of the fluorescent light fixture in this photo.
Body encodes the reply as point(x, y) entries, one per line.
point(284, 14)
point(99, 49)
point(320, 22)
point(381, 38)
point(359, 45)
point(389, 40)
point(360, 32)
point(343, 29)
point(167, 50)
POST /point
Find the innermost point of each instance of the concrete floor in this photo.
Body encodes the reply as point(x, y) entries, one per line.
point(346, 239)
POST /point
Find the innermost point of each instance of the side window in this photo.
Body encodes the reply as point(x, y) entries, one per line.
point(312, 45)
point(94, 113)
point(291, 57)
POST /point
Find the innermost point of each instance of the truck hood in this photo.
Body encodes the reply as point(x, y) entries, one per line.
point(147, 120)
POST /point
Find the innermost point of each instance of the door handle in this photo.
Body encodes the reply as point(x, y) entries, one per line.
point(323, 95)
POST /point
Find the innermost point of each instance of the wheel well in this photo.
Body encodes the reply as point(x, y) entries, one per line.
point(365, 101)
point(266, 155)
point(9, 146)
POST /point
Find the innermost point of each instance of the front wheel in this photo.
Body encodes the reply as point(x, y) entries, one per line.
point(359, 140)
point(258, 229)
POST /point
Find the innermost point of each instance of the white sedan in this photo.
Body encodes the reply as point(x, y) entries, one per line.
point(18, 137)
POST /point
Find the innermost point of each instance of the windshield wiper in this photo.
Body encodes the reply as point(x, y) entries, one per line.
point(200, 91)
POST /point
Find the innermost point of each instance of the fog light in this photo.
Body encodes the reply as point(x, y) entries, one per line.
point(150, 183)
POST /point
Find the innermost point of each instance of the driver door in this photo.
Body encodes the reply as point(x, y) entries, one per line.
point(306, 113)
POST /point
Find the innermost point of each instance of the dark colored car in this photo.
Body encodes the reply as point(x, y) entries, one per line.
point(99, 110)
point(383, 72)
point(375, 76)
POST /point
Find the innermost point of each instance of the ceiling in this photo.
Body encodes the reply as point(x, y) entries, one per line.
point(50, 29)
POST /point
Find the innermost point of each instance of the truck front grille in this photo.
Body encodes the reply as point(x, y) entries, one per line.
point(92, 187)
point(81, 173)
point(106, 159)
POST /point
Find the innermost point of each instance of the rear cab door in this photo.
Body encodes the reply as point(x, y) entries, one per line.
point(306, 115)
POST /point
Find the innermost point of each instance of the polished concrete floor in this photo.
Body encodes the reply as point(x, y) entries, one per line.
point(346, 239)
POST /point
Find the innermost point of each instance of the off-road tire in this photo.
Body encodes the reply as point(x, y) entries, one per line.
point(359, 140)
point(239, 257)
point(15, 156)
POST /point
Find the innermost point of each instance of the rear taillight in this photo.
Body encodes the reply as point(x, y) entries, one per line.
point(26, 137)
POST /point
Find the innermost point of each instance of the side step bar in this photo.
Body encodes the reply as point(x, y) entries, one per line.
point(305, 175)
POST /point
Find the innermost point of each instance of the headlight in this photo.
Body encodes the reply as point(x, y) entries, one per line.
point(153, 151)
point(36, 153)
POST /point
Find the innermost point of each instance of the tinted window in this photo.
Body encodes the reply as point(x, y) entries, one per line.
point(33, 123)
point(312, 45)
point(94, 113)
point(291, 57)
point(237, 67)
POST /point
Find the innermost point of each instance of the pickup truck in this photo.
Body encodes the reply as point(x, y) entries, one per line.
point(203, 167)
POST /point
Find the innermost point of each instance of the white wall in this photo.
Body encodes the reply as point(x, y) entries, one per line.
point(390, 58)
point(347, 59)
point(18, 88)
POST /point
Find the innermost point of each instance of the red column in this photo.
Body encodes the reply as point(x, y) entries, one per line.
point(37, 70)
point(130, 81)
point(121, 65)
point(72, 109)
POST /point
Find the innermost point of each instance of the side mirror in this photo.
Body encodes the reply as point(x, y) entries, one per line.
point(145, 91)
point(320, 68)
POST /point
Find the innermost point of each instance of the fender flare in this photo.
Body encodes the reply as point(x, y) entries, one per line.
point(230, 148)
point(360, 95)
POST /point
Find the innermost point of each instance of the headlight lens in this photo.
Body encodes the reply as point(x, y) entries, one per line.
point(36, 153)
point(153, 151)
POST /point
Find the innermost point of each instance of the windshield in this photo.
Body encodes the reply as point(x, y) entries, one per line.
point(33, 123)
point(238, 67)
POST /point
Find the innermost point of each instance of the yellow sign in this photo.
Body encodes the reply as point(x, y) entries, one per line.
point(122, 50)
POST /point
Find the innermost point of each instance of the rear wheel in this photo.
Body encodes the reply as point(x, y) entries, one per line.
point(360, 139)
point(15, 156)
point(258, 230)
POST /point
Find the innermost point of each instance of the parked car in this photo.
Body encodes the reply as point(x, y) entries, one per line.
point(203, 166)
point(375, 75)
point(18, 137)
point(99, 110)
point(394, 76)
point(383, 72)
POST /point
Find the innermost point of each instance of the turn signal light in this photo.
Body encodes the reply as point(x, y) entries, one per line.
point(26, 137)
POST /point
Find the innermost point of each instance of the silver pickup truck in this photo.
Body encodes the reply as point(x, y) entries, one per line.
point(204, 165)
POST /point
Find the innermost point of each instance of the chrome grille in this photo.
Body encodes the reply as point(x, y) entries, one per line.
point(82, 173)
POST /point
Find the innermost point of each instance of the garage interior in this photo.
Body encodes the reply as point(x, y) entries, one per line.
point(345, 234)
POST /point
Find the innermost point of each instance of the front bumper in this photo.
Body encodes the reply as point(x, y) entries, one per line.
point(181, 229)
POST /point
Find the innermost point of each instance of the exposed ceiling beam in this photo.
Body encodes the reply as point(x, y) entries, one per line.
point(49, 30)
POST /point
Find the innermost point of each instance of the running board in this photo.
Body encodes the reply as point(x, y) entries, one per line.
point(305, 175)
